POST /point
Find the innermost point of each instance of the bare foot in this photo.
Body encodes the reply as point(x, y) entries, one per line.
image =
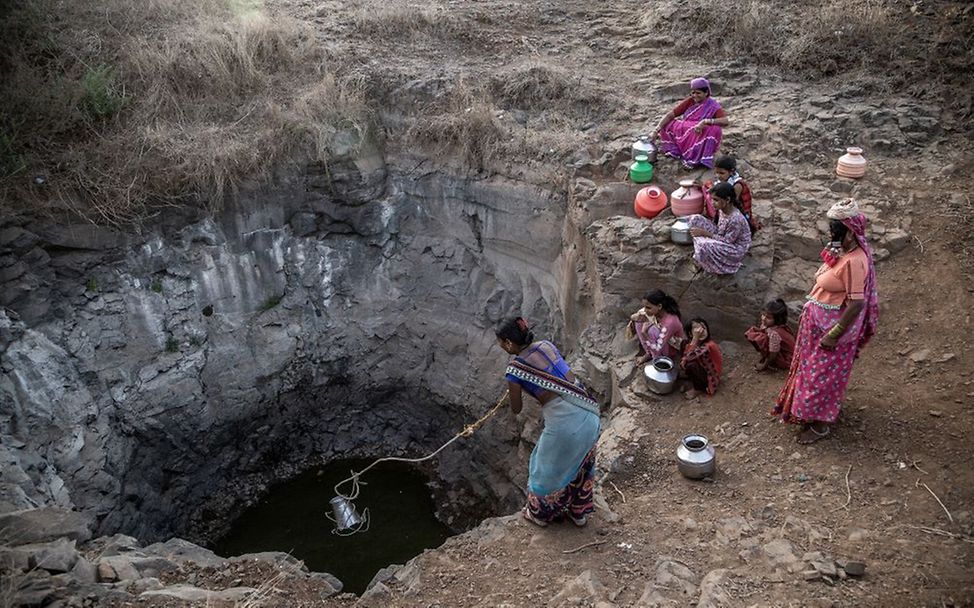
point(692, 393)
point(813, 432)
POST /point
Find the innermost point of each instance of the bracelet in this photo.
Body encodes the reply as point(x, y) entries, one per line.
point(836, 331)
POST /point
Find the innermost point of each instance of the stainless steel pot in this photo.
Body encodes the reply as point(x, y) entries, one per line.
point(695, 457)
point(661, 374)
point(644, 145)
point(680, 232)
point(345, 515)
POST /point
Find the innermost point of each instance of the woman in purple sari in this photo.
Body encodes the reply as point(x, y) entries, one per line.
point(691, 131)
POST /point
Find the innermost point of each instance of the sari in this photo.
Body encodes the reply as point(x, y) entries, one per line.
point(679, 140)
point(661, 337)
point(561, 471)
point(818, 378)
point(723, 252)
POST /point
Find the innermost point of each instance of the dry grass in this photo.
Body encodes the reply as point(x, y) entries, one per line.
point(462, 124)
point(157, 102)
point(403, 18)
point(887, 42)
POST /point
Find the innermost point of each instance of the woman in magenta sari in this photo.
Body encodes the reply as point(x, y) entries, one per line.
point(838, 319)
point(691, 131)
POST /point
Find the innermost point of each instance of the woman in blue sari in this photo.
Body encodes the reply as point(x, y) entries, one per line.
point(561, 473)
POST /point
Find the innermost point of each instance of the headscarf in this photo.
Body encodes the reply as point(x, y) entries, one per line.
point(848, 213)
point(700, 83)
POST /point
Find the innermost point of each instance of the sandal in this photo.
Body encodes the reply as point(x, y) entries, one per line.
point(531, 518)
point(579, 521)
point(804, 438)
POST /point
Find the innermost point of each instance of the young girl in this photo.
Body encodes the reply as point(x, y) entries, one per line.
point(773, 338)
point(725, 171)
point(658, 326)
point(702, 361)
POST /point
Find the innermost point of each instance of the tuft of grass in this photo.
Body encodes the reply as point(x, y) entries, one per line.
point(465, 126)
point(102, 98)
point(91, 285)
point(172, 344)
point(156, 286)
point(404, 18)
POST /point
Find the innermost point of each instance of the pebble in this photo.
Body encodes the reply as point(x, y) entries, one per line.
point(853, 568)
point(936, 413)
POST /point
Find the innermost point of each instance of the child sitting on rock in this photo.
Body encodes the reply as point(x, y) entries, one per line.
point(772, 337)
point(702, 361)
point(725, 170)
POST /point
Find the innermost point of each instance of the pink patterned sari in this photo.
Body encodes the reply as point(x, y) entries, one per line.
point(679, 140)
point(818, 378)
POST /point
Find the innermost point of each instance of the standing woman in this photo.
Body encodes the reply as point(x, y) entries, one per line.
point(694, 137)
point(838, 319)
point(720, 249)
point(658, 326)
point(561, 473)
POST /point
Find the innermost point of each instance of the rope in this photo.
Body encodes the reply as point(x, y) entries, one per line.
point(467, 431)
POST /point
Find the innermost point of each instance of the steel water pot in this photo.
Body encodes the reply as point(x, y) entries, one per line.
point(644, 146)
point(345, 515)
point(695, 457)
point(680, 232)
point(661, 374)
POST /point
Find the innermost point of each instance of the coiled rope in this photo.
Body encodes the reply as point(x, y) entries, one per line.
point(467, 431)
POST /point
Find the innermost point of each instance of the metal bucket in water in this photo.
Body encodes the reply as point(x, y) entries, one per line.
point(345, 516)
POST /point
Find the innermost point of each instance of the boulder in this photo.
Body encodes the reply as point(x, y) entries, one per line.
point(43, 525)
point(117, 568)
point(55, 557)
point(190, 593)
point(182, 551)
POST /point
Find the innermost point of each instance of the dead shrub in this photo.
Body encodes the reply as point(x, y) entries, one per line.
point(536, 85)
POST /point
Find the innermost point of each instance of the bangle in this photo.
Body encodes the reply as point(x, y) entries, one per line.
point(836, 331)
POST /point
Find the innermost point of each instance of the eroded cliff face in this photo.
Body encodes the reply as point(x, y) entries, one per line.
point(156, 382)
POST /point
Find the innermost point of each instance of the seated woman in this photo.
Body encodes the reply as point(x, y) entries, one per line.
point(773, 338)
point(720, 249)
point(561, 473)
point(694, 137)
point(658, 326)
point(702, 361)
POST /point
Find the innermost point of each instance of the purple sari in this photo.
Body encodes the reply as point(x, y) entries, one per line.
point(679, 140)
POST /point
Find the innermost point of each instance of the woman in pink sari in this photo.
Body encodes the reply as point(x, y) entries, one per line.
point(659, 327)
point(838, 319)
point(691, 131)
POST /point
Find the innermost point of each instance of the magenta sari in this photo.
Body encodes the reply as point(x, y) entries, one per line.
point(679, 140)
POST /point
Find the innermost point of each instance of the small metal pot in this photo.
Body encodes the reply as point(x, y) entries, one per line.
point(680, 232)
point(644, 145)
point(695, 457)
point(661, 374)
point(345, 515)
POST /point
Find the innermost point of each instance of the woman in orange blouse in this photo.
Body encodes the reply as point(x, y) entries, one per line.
point(838, 319)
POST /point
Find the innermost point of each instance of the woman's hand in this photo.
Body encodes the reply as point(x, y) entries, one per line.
point(699, 333)
point(654, 135)
point(700, 232)
point(828, 342)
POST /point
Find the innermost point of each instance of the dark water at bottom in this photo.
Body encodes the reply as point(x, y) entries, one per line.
point(291, 518)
